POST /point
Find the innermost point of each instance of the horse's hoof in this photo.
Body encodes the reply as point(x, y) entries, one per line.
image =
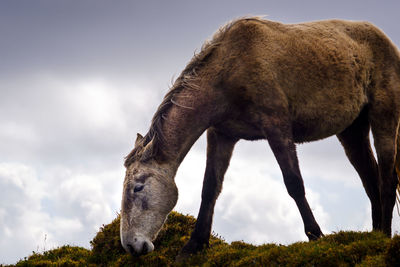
point(313, 237)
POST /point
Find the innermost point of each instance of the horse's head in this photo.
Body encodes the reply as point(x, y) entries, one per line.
point(149, 194)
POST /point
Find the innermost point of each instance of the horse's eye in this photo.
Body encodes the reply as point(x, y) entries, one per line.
point(138, 188)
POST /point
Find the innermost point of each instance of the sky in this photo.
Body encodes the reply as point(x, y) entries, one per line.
point(79, 79)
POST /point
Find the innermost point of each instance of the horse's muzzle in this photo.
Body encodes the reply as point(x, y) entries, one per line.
point(138, 246)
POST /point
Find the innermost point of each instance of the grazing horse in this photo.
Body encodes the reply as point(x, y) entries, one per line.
point(258, 79)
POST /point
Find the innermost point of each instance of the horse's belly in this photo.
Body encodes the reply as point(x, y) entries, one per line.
point(310, 124)
point(316, 129)
point(304, 130)
point(240, 129)
point(313, 118)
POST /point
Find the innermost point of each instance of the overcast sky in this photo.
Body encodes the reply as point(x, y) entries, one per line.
point(78, 79)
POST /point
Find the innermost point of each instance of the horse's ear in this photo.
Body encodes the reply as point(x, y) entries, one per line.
point(139, 138)
point(148, 150)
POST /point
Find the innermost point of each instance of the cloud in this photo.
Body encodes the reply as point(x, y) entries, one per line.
point(51, 119)
point(254, 205)
point(320, 160)
point(20, 214)
point(63, 143)
point(60, 207)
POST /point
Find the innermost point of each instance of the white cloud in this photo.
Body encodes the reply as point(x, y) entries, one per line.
point(326, 161)
point(68, 138)
point(50, 119)
point(19, 206)
point(97, 104)
point(84, 193)
point(59, 207)
point(396, 221)
point(254, 205)
point(23, 133)
point(189, 180)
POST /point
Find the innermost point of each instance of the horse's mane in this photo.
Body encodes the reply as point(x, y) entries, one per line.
point(188, 79)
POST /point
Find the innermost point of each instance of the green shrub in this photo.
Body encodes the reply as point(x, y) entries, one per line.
point(392, 253)
point(62, 256)
point(338, 249)
point(106, 245)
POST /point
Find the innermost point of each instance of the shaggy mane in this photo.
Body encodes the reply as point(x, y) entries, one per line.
point(187, 80)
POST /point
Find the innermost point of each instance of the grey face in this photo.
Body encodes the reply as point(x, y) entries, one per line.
point(148, 196)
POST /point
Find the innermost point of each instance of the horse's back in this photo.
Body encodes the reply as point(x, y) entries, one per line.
point(323, 70)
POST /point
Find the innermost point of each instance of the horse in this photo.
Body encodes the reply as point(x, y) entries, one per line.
point(286, 83)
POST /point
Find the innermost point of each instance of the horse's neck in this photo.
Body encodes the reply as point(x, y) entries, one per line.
point(183, 124)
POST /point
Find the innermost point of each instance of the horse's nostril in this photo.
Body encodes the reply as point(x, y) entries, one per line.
point(131, 250)
point(145, 248)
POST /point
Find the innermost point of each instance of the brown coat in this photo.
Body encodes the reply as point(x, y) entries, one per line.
point(258, 79)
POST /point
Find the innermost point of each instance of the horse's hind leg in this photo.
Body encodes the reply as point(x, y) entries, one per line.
point(355, 140)
point(384, 118)
point(385, 150)
point(219, 151)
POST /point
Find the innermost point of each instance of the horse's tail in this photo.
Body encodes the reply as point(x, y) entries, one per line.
point(397, 168)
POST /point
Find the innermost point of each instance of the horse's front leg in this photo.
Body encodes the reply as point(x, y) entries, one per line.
point(219, 151)
point(279, 135)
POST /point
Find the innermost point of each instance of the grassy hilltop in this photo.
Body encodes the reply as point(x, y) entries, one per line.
point(339, 249)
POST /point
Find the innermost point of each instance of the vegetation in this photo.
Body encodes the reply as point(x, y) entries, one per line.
point(339, 249)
